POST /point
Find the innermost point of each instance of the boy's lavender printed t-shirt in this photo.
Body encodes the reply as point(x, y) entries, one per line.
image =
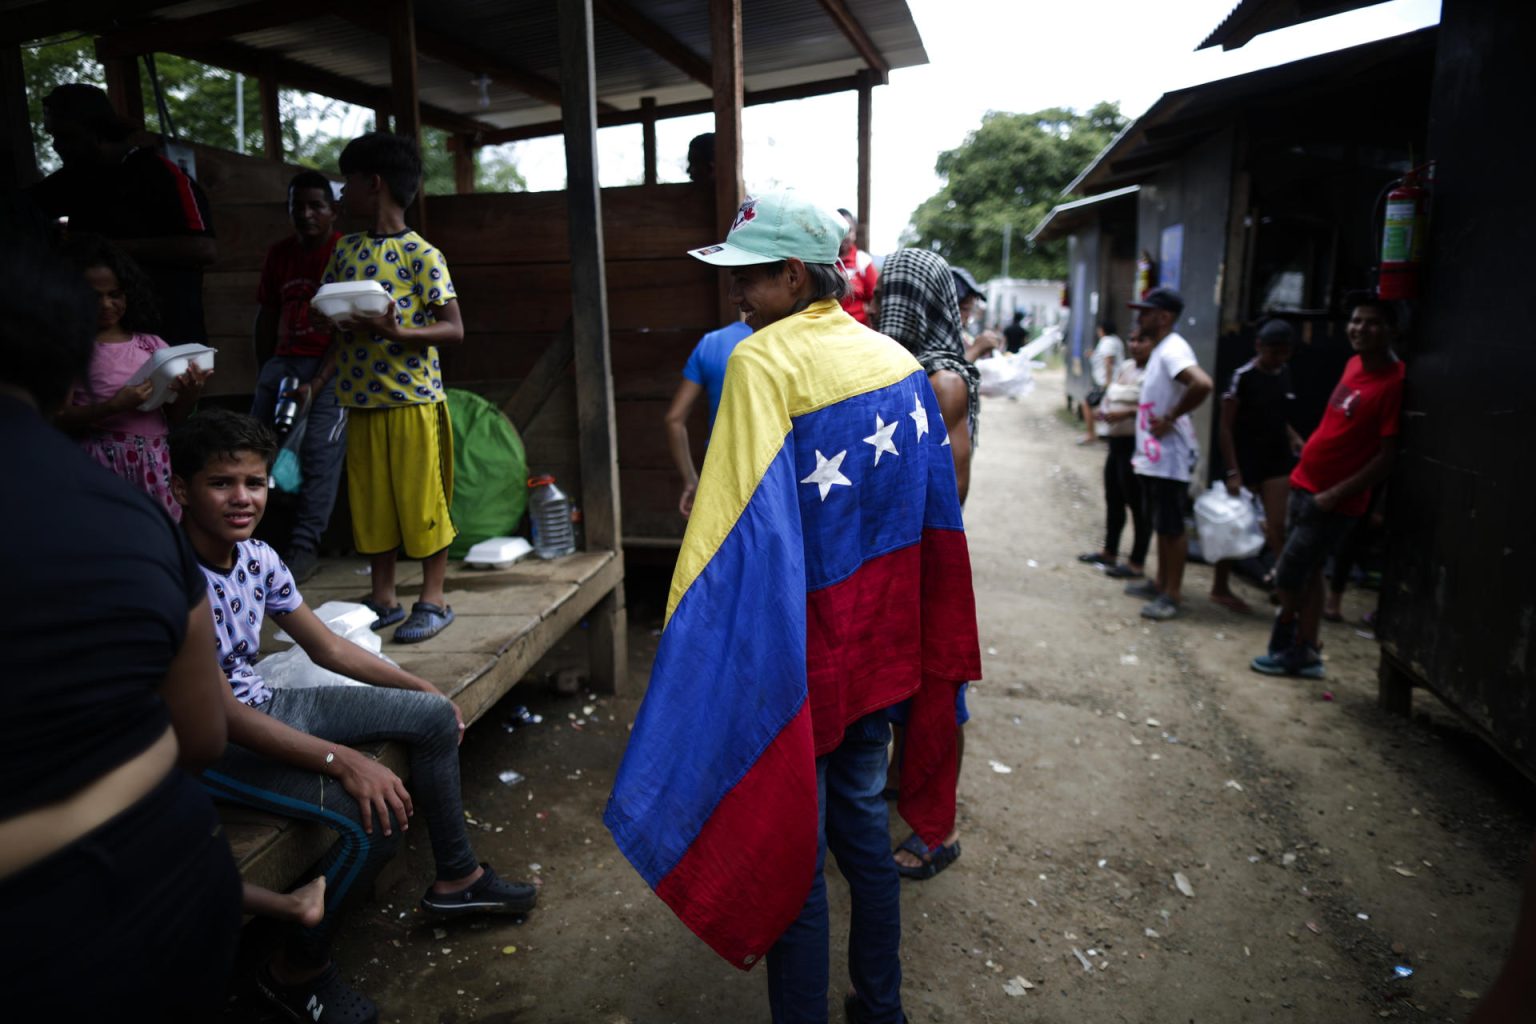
point(257, 585)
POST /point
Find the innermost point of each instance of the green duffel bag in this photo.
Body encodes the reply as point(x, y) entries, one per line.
point(490, 472)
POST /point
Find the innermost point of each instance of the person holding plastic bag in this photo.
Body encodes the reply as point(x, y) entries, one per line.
point(1121, 488)
point(1258, 443)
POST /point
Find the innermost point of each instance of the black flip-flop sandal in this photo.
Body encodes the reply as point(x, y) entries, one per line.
point(323, 999)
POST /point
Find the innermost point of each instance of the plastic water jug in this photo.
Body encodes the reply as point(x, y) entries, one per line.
point(549, 513)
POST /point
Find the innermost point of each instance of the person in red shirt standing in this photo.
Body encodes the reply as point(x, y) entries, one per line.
point(862, 273)
point(1350, 452)
point(288, 344)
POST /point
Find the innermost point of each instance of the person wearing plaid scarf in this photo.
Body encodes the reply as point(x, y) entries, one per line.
point(915, 305)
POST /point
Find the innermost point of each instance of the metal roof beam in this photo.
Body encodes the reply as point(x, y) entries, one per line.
point(850, 27)
point(658, 39)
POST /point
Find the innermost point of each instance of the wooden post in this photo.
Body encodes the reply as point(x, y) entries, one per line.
point(123, 88)
point(20, 165)
point(381, 120)
point(648, 136)
point(463, 164)
point(405, 88)
point(589, 318)
point(725, 57)
point(271, 118)
point(866, 124)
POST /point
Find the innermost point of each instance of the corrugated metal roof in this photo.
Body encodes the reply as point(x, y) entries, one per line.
point(784, 43)
point(1255, 17)
point(1181, 118)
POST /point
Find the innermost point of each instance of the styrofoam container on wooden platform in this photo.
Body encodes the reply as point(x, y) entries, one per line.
point(497, 552)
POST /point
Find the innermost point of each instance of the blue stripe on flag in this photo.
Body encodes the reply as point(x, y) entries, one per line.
point(715, 706)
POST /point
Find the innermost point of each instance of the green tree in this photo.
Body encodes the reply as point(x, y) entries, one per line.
point(1010, 171)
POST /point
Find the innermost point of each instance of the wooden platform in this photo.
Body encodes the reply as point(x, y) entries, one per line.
point(506, 620)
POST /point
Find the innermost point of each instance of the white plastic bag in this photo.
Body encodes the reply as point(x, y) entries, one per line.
point(292, 669)
point(1007, 374)
point(1229, 527)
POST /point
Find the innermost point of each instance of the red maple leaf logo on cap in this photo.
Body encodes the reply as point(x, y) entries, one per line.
point(747, 212)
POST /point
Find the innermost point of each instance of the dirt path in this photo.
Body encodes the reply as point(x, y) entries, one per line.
point(1324, 843)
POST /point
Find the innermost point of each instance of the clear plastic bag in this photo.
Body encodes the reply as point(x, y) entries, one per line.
point(1007, 374)
point(1229, 526)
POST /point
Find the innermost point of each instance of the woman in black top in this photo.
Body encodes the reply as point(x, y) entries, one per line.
point(117, 888)
point(1258, 443)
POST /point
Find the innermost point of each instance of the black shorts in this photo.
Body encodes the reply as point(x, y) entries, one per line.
point(1162, 502)
point(1264, 464)
point(1310, 537)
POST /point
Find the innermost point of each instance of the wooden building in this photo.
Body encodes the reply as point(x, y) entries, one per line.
point(580, 307)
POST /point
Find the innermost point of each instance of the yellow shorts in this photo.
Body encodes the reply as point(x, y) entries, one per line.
point(400, 478)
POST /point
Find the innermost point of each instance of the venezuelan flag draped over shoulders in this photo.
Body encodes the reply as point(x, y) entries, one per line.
point(824, 575)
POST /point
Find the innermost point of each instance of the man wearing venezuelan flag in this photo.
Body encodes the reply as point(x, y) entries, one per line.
point(824, 576)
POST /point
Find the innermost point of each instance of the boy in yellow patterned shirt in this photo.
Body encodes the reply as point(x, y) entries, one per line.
point(388, 378)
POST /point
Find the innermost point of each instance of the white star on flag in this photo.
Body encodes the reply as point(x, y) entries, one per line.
point(881, 438)
point(919, 416)
point(827, 473)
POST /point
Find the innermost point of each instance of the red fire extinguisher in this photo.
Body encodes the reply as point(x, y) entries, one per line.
point(1402, 239)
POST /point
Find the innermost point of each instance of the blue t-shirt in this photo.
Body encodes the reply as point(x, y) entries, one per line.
point(706, 366)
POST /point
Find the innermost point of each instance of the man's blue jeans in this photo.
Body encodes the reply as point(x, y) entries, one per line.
point(854, 825)
point(322, 450)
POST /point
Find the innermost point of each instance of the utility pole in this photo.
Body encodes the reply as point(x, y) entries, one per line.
point(1007, 244)
point(240, 114)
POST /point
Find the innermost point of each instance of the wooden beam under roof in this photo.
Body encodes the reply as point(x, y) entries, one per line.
point(167, 34)
point(850, 27)
point(432, 43)
point(27, 22)
point(663, 43)
point(804, 90)
point(292, 73)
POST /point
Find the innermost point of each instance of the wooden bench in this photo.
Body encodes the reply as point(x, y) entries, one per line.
point(505, 621)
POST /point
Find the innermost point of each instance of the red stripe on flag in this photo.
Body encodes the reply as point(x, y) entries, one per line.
point(189, 208)
point(746, 875)
point(869, 645)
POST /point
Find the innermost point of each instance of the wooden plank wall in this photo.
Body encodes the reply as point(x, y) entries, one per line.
point(509, 255)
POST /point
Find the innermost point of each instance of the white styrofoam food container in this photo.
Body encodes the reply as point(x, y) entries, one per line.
point(165, 365)
point(497, 552)
point(343, 618)
point(346, 299)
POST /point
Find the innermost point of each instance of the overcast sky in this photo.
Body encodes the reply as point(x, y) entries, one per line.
point(983, 55)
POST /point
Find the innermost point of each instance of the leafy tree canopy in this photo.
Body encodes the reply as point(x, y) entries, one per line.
point(1010, 171)
point(201, 103)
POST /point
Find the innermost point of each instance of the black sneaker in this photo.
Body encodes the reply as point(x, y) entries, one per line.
point(302, 562)
point(325, 999)
point(490, 894)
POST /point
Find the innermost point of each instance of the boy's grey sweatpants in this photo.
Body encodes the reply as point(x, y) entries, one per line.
point(353, 715)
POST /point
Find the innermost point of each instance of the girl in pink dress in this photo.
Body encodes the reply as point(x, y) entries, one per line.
point(103, 410)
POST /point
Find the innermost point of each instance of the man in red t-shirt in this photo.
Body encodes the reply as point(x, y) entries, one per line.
point(289, 345)
point(1350, 452)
